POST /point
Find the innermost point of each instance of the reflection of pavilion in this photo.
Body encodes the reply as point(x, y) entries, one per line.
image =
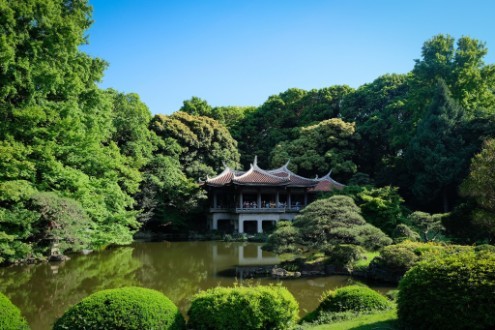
point(255, 200)
point(246, 255)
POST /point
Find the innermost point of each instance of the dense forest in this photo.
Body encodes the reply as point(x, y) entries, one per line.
point(83, 167)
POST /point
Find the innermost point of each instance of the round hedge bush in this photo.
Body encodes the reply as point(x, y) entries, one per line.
point(260, 307)
point(124, 309)
point(354, 298)
point(10, 316)
point(449, 292)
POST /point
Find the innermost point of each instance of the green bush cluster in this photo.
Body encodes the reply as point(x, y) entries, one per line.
point(449, 292)
point(125, 309)
point(284, 238)
point(10, 316)
point(345, 255)
point(355, 298)
point(399, 258)
point(260, 307)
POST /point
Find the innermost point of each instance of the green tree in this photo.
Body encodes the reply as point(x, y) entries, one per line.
point(480, 186)
point(328, 145)
point(197, 107)
point(438, 153)
point(462, 68)
point(58, 130)
point(61, 221)
point(379, 111)
point(337, 220)
point(382, 207)
point(275, 120)
point(429, 225)
point(205, 143)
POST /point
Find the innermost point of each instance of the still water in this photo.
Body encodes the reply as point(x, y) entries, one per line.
point(178, 269)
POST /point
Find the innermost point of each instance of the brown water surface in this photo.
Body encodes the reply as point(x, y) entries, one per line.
point(178, 269)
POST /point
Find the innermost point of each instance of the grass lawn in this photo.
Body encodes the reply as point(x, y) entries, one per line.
point(379, 321)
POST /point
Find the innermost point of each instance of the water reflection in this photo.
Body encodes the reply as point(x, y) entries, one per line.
point(179, 270)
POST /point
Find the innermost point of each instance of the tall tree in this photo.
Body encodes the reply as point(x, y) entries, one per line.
point(380, 114)
point(57, 128)
point(462, 68)
point(278, 118)
point(197, 107)
point(480, 185)
point(438, 153)
point(329, 145)
point(205, 143)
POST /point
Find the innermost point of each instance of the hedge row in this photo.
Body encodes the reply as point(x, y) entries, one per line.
point(450, 292)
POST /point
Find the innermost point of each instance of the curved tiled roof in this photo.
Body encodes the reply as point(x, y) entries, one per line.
point(281, 176)
point(295, 180)
point(257, 176)
point(326, 183)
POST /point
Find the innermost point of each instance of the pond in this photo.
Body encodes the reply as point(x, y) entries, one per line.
point(178, 269)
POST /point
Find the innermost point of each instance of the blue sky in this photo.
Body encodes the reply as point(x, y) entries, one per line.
point(241, 52)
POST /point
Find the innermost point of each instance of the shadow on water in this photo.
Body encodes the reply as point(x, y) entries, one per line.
point(178, 269)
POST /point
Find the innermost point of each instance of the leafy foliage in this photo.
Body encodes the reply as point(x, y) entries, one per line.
point(480, 185)
point(430, 226)
point(62, 221)
point(205, 143)
point(319, 148)
point(260, 307)
point(10, 316)
point(125, 308)
point(462, 284)
point(398, 258)
point(403, 232)
point(275, 120)
point(337, 220)
point(382, 207)
point(284, 238)
point(60, 133)
point(345, 255)
point(438, 153)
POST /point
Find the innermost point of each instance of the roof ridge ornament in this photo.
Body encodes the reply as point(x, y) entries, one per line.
point(287, 164)
point(255, 162)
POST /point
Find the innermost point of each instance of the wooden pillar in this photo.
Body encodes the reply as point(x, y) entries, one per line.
point(277, 199)
point(215, 199)
point(305, 198)
point(259, 198)
point(289, 199)
point(241, 200)
point(260, 226)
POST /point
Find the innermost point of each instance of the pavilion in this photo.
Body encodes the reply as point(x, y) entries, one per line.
point(255, 200)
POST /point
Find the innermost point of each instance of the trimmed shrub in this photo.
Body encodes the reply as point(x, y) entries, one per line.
point(395, 260)
point(260, 307)
point(284, 238)
point(403, 232)
point(450, 292)
point(345, 255)
point(10, 316)
point(125, 309)
point(355, 298)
